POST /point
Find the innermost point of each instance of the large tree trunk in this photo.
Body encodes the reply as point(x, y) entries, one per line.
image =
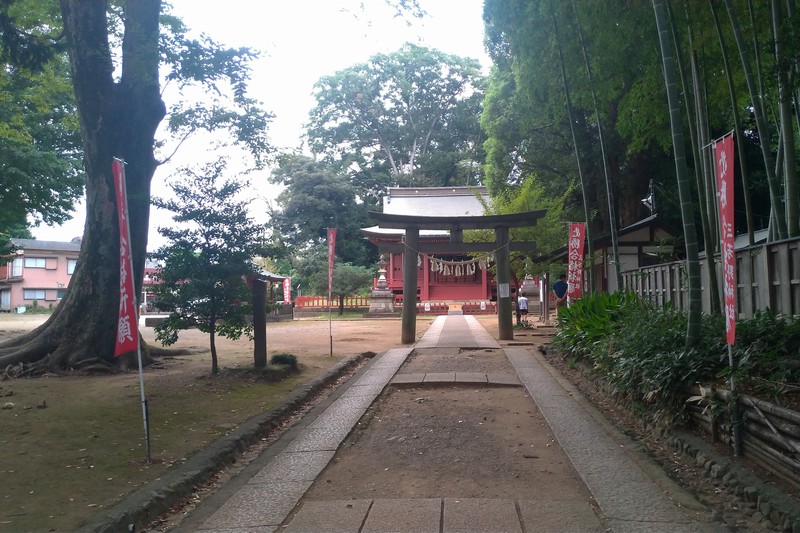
point(118, 119)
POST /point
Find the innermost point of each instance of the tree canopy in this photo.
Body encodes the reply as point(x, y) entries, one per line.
point(405, 118)
point(40, 145)
point(117, 54)
point(318, 196)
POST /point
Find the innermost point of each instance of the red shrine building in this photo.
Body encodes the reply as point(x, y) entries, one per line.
point(441, 277)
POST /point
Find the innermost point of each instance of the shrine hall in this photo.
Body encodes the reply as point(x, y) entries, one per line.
point(420, 234)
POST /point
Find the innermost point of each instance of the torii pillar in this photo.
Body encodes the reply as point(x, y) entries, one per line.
point(505, 324)
point(410, 251)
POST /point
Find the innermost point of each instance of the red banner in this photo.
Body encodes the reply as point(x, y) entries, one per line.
point(127, 325)
point(287, 290)
point(723, 155)
point(331, 251)
point(577, 234)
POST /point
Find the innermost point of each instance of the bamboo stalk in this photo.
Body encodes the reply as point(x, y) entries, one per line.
point(767, 407)
point(769, 436)
point(773, 460)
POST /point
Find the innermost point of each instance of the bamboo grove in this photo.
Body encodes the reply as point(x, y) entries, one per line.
point(620, 99)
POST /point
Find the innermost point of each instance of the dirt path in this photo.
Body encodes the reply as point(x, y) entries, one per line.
point(457, 441)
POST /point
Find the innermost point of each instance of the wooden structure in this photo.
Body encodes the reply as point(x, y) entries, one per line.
point(412, 251)
point(767, 277)
point(444, 277)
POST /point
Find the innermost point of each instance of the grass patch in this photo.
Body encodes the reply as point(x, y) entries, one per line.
point(85, 451)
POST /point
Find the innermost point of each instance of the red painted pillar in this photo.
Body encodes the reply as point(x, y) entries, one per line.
point(425, 293)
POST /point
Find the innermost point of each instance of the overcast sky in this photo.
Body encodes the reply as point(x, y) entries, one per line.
point(301, 41)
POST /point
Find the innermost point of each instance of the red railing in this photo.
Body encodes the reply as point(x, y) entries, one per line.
point(480, 308)
point(321, 302)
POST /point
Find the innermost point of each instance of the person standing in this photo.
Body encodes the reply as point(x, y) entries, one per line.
point(522, 307)
point(560, 290)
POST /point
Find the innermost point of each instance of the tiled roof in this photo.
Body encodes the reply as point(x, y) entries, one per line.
point(435, 201)
point(46, 246)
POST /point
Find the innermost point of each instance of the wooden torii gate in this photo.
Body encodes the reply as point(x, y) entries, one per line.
point(456, 224)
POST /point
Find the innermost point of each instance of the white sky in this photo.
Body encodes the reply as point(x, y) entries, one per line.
point(301, 41)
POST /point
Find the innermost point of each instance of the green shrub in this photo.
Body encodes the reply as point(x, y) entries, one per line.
point(285, 359)
point(640, 350)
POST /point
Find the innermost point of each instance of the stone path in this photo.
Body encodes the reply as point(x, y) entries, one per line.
point(632, 496)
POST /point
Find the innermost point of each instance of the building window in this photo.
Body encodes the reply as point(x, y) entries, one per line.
point(16, 268)
point(33, 294)
point(71, 266)
point(35, 262)
point(60, 294)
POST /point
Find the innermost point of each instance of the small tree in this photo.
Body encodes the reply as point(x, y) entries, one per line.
point(347, 280)
point(202, 280)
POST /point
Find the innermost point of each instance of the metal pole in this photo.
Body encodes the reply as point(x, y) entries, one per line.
point(145, 415)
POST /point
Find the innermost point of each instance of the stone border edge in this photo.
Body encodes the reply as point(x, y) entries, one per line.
point(152, 500)
point(777, 510)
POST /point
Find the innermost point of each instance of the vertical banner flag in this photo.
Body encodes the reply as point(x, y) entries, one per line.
point(127, 326)
point(287, 291)
point(331, 251)
point(723, 155)
point(577, 234)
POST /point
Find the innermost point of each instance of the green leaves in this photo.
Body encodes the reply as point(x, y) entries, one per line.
point(639, 350)
point(388, 115)
point(202, 280)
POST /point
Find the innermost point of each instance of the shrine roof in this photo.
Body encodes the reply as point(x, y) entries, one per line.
point(438, 201)
point(378, 232)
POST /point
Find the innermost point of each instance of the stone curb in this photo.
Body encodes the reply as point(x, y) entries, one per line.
point(770, 506)
point(149, 502)
point(777, 510)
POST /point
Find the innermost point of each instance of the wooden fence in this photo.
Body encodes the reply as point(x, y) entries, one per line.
point(768, 277)
point(770, 433)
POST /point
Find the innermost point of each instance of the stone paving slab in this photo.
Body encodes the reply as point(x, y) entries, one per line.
point(559, 517)
point(294, 466)
point(482, 336)
point(369, 391)
point(339, 516)
point(480, 515)
point(502, 379)
point(318, 439)
point(258, 505)
point(263, 529)
point(377, 377)
point(470, 377)
point(621, 526)
point(343, 413)
point(404, 516)
point(622, 490)
point(408, 379)
point(440, 377)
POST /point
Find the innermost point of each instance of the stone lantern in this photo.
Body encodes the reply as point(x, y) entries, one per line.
point(381, 302)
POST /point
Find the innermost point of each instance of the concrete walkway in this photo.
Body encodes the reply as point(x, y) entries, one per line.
point(630, 494)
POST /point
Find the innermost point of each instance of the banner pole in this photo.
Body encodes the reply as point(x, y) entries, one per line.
point(123, 220)
point(331, 260)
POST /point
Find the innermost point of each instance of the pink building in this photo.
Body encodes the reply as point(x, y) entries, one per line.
point(38, 271)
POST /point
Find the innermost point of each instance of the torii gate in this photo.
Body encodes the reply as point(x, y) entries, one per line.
point(456, 224)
